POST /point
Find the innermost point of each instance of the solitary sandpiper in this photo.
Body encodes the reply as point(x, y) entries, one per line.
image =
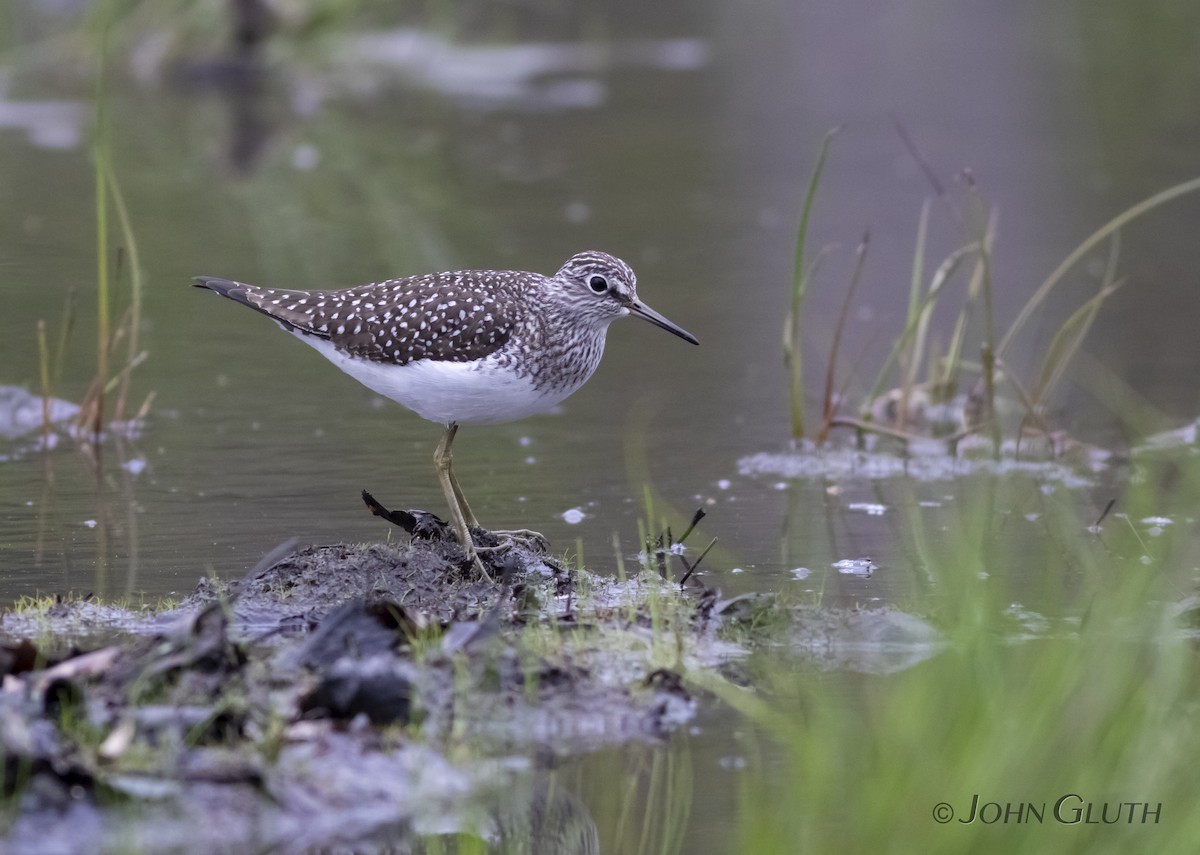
point(464, 346)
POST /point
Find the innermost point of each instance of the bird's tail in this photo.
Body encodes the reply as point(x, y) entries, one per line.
point(250, 295)
point(224, 287)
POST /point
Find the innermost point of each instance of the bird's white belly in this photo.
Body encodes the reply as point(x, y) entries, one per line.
point(446, 392)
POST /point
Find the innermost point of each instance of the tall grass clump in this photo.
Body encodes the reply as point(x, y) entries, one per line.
point(118, 340)
point(919, 377)
point(1093, 703)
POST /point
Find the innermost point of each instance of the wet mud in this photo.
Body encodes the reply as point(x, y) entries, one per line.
point(351, 696)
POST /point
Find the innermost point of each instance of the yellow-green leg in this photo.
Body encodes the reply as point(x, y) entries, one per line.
point(460, 512)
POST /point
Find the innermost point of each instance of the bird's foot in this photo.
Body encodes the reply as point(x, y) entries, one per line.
point(427, 526)
point(478, 563)
point(531, 540)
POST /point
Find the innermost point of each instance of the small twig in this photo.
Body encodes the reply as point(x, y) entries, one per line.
point(954, 439)
point(696, 517)
point(404, 519)
point(1103, 514)
point(691, 568)
point(272, 558)
point(660, 553)
point(124, 372)
point(1031, 406)
point(44, 365)
point(827, 408)
point(938, 188)
point(144, 409)
point(66, 324)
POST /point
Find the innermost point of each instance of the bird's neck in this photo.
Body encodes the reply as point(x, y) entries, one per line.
point(567, 348)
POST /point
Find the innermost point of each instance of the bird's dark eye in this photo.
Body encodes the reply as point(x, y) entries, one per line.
point(598, 284)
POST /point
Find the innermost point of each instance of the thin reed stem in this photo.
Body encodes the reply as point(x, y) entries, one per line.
point(801, 277)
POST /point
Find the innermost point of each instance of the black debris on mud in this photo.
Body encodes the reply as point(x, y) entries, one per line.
point(310, 704)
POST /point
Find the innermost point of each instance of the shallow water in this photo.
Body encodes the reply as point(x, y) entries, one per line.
point(688, 158)
point(677, 136)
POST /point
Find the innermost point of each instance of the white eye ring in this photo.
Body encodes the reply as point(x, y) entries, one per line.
point(598, 284)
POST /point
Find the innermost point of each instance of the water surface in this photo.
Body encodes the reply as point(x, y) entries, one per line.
point(674, 135)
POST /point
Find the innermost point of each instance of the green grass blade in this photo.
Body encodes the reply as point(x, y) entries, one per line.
point(941, 277)
point(1116, 223)
point(946, 382)
point(1066, 343)
point(100, 158)
point(799, 281)
point(44, 375)
point(801, 278)
point(910, 355)
point(988, 353)
point(66, 325)
point(135, 286)
point(1070, 335)
point(831, 367)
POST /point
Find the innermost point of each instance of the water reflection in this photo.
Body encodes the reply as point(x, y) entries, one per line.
point(678, 135)
point(333, 170)
point(47, 124)
point(641, 799)
point(542, 818)
point(528, 76)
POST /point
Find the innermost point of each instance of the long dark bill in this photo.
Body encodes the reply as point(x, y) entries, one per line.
point(641, 310)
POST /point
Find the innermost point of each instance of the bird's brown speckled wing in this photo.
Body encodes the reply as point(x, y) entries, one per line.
point(458, 317)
